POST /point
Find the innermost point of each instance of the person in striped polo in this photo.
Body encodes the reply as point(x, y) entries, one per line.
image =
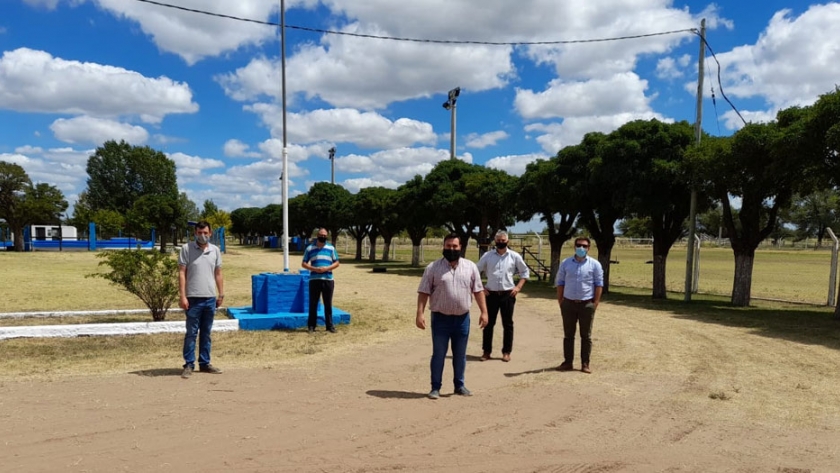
point(320, 258)
point(450, 283)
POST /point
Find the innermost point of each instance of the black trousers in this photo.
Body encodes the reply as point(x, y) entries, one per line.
point(504, 302)
point(317, 288)
point(573, 313)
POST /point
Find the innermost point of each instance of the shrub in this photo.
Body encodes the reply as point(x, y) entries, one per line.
point(149, 275)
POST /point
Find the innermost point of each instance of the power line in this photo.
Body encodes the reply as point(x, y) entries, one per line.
point(417, 40)
point(720, 84)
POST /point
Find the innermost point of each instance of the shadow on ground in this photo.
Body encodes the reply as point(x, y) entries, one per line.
point(159, 372)
point(395, 394)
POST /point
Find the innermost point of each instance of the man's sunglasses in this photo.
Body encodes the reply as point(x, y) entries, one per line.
point(581, 246)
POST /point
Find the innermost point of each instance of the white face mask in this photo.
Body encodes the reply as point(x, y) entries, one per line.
point(202, 239)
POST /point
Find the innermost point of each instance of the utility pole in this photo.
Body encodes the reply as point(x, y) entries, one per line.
point(332, 162)
point(450, 105)
point(285, 176)
point(698, 128)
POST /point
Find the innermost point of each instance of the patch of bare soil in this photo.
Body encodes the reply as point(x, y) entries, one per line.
point(668, 394)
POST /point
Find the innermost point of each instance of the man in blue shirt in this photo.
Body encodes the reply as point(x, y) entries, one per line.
point(320, 259)
point(580, 282)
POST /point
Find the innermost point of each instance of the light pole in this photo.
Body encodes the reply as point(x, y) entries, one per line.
point(332, 164)
point(450, 105)
point(284, 177)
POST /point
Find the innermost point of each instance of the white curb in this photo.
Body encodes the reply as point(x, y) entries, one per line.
point(20, 315)
point(129, 328)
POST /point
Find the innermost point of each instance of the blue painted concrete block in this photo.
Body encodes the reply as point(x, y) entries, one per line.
point(281, 301)
point(249, 320)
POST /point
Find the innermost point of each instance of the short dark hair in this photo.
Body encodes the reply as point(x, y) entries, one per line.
point(202, 224)
point(583, 238)
point(452, 236)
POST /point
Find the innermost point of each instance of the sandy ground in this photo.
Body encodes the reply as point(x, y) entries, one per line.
point(647, 407)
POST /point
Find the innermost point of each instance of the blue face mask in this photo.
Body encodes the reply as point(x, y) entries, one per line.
point(580, 252)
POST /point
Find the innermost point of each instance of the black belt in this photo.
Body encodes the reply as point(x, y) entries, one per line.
point(574, 301)
point(500, 293)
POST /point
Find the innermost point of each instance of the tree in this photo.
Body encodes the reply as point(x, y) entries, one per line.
point(82, 213)
point(635, 227)
point(658, 182)
point(599, 181)
point(752, 165)
point(301, 222)
point(120, 174)
point(188, 212)
point(491, 193)
point(544, 190)
point(23, 204)
point(156, 211)
point(376, 205)
point(329, 205)
point(210, 208)
point(454, 207)
point(416, 213)
point(108, 222)
point(220, 219)
point(149, 275)
point(243, 222)
point(359, 222)
point(812, 214)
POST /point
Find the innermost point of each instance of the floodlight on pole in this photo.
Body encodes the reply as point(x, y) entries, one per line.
point(332, 164)
point(450, 105)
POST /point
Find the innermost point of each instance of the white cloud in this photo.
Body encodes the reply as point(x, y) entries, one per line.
point(273, 148)
point(29, 150)
point(474, 140)
point(733, 122)
point(620, 93)
point(355, 72)
point(35, 81)
point(48, 4)
point(236, 149)
point(96, 131)
point(189, 168)
point(343, 125)
point(556, 136)
point(666, 68)
point(794, 60)
point(394, 165)
point(514, 165)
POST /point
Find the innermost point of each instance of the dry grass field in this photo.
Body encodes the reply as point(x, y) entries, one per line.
point(676, 387)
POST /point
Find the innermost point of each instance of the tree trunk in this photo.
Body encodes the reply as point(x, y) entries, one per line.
point(163, 242)
point(554, 263)
point(742, 285)
point(604, 256)
point(659, 264)
point(358, 249)
point(415, 255)
point(372, 237)
point(386, 251)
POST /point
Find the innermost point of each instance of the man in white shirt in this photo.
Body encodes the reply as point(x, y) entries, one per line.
point(500, 266)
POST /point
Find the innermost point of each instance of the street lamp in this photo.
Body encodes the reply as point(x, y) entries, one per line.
point(450, 105)
point(332, 159)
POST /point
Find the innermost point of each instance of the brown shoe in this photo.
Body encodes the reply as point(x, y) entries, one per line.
point(485, 357)
point(585, 368)
point(505, 357)
point(565, 367)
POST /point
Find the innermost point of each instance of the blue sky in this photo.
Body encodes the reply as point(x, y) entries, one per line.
point(206, 90)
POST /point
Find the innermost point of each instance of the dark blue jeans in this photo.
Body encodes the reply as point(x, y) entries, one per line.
point(446, 329)
point(199, 322)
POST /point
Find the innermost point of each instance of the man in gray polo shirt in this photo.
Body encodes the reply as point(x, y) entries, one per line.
point(199, 276)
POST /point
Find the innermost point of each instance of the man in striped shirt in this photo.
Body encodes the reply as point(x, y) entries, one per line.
point(450, 283)
point(320, 258)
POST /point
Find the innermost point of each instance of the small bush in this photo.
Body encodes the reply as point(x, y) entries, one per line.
point(149, 275)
